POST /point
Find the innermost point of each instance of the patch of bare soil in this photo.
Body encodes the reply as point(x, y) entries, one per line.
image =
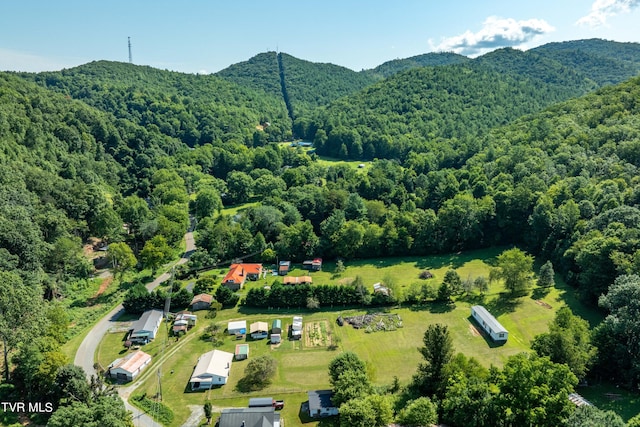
point(89, 248)
point(103, 287)
point(543, 304)
point(346, 281)
point(474, 331)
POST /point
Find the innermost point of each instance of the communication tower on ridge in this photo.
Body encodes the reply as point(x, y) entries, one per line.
point(130, 57)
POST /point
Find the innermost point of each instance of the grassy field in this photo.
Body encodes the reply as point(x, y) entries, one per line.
point(353, 164)
point(302, 366)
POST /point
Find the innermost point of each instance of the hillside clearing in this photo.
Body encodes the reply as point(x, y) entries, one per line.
point(302, 365)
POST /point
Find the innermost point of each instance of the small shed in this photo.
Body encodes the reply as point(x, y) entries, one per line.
point(296, 328)
point(276, 326)
point(180, 327)
point(489, 324)
point(242, 351)
point(297, 323)
point(201, 302)
point(284, 267)
point(320, 404)
point(237, 327)
point(190, 318)
point(379, 288)
point(312, 264)
point(259, 330)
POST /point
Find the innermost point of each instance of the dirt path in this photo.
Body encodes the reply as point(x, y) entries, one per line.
point(103, 287)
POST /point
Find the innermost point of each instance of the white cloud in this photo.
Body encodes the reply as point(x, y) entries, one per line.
point(601, 10)
point(11, 60)
point(496, 32)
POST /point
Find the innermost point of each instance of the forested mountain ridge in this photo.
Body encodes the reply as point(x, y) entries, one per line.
point(577, 164)
point(305, 85)
point(62, 162)
point(435, 110)
point(283, 92)
point(260, 72)
point(606, 62)
point(194, 108)
point(431, 59)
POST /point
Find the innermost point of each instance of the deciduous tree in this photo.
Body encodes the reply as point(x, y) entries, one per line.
point(590, 416)
point(418, 413)
point(121, 257)
point(258, 373)
point(568, 341)
point(533, 391)
point(618, 336)
point(21, 314)
point(515, 268)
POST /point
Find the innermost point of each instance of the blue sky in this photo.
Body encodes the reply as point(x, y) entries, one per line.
point(208, 35)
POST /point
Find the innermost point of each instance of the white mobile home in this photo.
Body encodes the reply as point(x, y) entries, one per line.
point(496, 331)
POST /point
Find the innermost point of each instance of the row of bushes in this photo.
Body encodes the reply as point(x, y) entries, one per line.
point(300, 296)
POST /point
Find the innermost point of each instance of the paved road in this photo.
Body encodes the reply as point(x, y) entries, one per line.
point(87, 350)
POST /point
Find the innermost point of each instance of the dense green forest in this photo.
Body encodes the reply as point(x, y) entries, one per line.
point(432, 59)
point(603, 61)
point(512, 148)
point(194, 108)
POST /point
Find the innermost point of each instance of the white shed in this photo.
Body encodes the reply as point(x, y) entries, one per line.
point(237, 327)
point(496, 331)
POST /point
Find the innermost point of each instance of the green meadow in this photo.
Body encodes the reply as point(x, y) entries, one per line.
point(303, 367)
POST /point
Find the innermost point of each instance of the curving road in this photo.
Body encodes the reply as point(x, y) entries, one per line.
point(87, 350)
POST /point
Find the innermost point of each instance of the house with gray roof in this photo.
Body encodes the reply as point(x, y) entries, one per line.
point(320, 403)
point(249, 417)
point(145, 329)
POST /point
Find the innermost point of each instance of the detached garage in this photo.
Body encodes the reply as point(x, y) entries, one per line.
point(128, 367)
point(489, 324)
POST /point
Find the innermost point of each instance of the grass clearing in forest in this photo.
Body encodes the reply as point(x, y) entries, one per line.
point(303, 365)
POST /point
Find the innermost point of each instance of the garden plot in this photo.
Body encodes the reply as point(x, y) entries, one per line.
point(317, 334)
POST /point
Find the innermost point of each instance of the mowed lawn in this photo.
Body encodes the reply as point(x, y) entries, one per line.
point(389, 354)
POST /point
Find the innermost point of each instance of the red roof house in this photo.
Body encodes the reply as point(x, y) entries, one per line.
point(239, 273)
